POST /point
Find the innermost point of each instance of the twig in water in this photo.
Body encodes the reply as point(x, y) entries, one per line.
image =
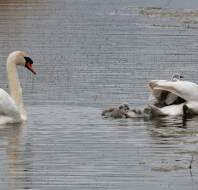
point(190, 165)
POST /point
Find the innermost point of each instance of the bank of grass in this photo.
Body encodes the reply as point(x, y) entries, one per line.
point(185, 15)
point(188, 17)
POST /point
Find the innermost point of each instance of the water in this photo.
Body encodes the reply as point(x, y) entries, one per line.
point(90, 54)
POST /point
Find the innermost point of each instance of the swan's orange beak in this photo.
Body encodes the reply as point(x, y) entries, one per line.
point(29, 67)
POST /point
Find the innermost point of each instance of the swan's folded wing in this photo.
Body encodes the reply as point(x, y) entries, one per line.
point(7, 105)
point(170, 98)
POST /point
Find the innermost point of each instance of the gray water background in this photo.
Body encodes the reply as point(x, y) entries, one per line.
point(90, 54)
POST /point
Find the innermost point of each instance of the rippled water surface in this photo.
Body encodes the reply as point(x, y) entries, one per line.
point(90, 54)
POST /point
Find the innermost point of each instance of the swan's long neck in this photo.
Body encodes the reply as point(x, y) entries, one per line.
point(15, 87)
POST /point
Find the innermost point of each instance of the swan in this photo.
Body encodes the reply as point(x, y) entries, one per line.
point(186, 92)
point(176, 77)
point(11, 105)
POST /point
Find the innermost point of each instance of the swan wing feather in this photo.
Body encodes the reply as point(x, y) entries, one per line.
point(184, 89)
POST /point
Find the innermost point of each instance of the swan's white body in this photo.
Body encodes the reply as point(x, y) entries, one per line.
point(11, 106)
point(184, 89)
point(9, 113)
point(173, 110)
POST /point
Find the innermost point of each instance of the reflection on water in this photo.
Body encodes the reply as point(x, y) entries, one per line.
point(179, 136)
point(73, 147)
point(12, 176)
point(173, 126)
point(91, 54)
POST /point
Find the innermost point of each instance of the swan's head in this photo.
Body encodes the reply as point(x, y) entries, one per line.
point(176, 77)
point(21, 58)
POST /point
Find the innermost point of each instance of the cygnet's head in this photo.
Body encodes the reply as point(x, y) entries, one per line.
point(124, 107)
point(176, 77)
point(21, 58)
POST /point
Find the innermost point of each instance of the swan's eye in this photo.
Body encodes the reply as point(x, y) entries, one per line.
point(28, 60)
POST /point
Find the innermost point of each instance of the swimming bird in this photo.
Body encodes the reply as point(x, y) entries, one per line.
point(185, 91)
point(176, 77)
point(140, 112)
point(11, 105)
point(114, 112)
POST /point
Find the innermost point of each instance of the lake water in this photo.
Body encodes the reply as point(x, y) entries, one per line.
point(90, 54)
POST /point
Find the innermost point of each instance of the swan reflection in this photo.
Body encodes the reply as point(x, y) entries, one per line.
point(11, 145)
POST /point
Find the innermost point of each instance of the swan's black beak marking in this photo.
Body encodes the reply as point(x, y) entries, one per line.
point(28, 64)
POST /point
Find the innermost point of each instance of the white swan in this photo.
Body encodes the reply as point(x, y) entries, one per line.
point(11, 106)
point(185, 90)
